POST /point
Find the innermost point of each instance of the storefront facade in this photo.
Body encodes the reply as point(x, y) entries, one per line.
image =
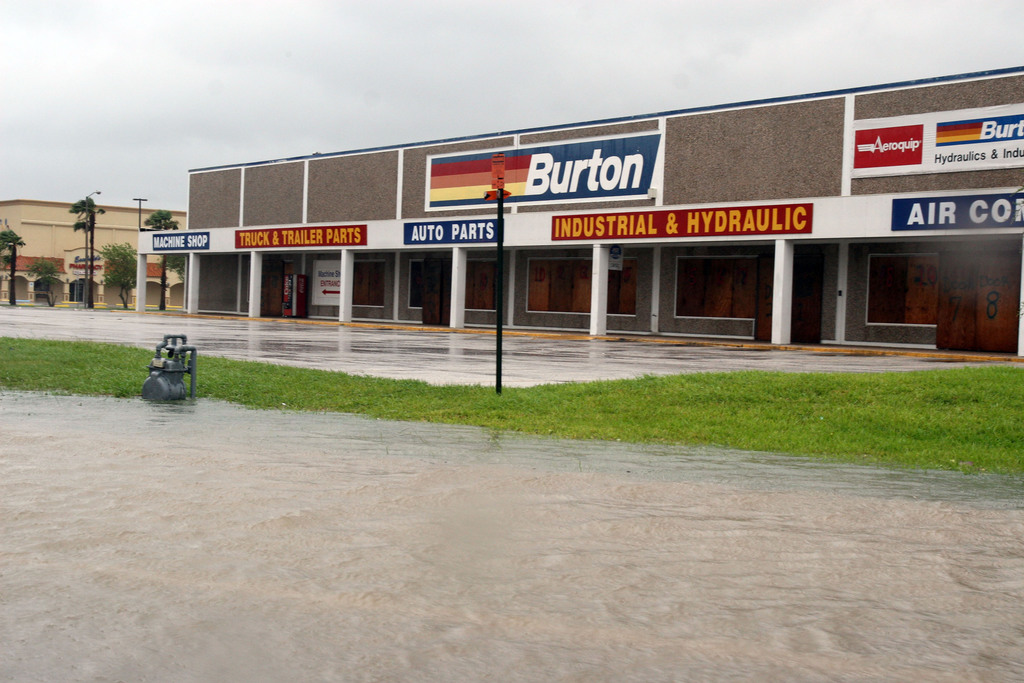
point(885, 215)
point(47, 229)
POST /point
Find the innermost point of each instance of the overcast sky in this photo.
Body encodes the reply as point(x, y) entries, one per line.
point(126, 96)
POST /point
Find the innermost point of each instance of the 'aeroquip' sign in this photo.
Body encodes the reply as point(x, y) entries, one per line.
point(604, 168)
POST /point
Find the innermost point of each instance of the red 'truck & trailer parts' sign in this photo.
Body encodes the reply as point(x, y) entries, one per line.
point(285, 238)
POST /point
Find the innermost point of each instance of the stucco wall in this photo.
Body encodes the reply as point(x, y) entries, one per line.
point(770, 152)
point(361, 187)
point(214, 198)
point(273, 194)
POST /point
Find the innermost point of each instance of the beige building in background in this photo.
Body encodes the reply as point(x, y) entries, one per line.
point(47, 229)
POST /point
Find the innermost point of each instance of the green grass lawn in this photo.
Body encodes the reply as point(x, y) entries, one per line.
point(964, 419)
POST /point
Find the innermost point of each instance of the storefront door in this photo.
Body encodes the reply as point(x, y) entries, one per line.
point(808, 275)
point(978, 301)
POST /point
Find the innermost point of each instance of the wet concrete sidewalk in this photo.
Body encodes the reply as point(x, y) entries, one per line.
point(442, 356)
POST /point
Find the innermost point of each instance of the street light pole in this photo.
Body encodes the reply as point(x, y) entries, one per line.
point(140, 200)
point(140, 286)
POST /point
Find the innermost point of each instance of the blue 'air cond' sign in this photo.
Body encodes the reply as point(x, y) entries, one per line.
point(959, 212)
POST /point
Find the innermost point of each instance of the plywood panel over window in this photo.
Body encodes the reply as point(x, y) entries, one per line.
point(622, 289)
point(540, 285)
point(368, 283)
point(903, 289)
point(716, 287)
point(564, 286)
point(480, 285)
point(690, 288)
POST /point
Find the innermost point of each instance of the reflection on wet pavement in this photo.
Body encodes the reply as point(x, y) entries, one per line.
point(437, 357)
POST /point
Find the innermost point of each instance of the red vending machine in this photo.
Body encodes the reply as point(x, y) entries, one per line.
point(293, 304)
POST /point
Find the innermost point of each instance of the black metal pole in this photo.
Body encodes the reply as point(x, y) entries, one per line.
point(499, 293)
point(91, 256)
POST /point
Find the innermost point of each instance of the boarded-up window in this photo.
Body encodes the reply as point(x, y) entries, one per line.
point(559, 285)
point(564, 286)
point(416, 284)
point(622, 289)
point(716, 287)
point(903, 289)
point(480, 285)
point(368, 283)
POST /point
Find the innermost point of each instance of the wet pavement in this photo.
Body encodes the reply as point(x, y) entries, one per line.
point(440, 356)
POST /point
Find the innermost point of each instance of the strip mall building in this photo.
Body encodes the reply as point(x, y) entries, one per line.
point(883, 215)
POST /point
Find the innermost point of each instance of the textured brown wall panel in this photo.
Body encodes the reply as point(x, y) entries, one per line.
point(620, 205)
point(414, 185)
point(273, 194)
point(762, 153)
point(213, 199)
point(966, 180)
point(945, 97)
point(362, 187)
point(589, 132)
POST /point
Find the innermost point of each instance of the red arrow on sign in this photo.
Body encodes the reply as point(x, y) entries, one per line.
point(491, 195)
point(331, 291)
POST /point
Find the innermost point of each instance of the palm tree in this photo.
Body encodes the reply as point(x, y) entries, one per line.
point(86, 211)
point(9, 242)
point(162, 220)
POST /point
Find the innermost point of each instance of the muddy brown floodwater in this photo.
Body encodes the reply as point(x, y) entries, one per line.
point(205, 542)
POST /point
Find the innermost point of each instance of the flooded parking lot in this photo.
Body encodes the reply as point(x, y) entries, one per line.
point(456, 357)
point(201, 542)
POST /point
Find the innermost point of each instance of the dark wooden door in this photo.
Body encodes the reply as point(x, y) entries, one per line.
point(808, 277)
point(765, 283)
point(272, 291)
point(979, 296)
point(437, 283)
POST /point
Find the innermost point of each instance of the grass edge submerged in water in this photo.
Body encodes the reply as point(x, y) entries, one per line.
point(955, 419)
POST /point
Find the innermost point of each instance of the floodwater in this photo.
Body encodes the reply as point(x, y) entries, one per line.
point(203, 542)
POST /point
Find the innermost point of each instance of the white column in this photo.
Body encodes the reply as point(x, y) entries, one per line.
point(192, 289)
point(255, 283)
point(140, 283)
point(782, 292)
point(348, 260)
point(842, 285)
point(1020, 309)
point(457, 318)
point(849, 136)
point(599, 290)
point(655, 289)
